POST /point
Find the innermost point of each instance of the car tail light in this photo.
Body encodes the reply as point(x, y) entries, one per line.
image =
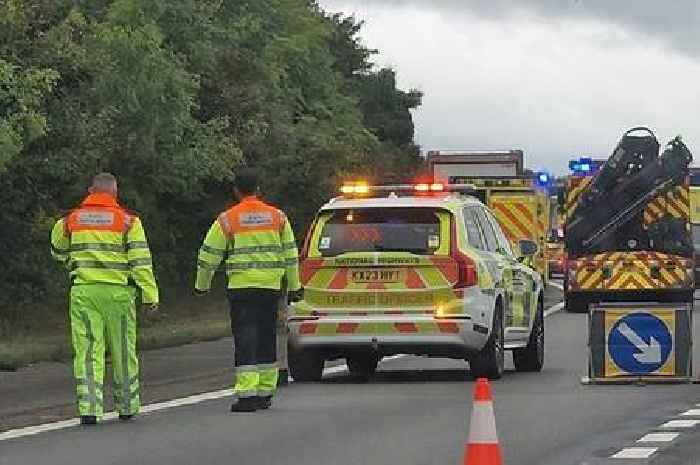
point(468, 275)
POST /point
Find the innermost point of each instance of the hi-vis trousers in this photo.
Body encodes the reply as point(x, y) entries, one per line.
point(104, 314)
point(253, 324)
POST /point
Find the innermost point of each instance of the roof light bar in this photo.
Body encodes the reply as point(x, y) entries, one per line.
point(421, 188)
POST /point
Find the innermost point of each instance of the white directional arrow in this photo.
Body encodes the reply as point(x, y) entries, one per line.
point(651, 353)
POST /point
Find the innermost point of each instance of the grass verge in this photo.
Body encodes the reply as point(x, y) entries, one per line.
point(180, 323)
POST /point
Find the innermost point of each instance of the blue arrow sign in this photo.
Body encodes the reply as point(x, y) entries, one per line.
point(640, 343)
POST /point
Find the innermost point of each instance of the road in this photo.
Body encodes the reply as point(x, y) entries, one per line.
point(415, 412)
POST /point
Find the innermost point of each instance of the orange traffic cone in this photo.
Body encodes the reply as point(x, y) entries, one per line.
point(482, 447)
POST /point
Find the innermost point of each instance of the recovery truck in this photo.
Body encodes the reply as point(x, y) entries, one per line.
point(626, 232)
point(519, 201)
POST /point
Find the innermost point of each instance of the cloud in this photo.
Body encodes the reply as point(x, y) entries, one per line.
point(675, 22)
point(556, 88)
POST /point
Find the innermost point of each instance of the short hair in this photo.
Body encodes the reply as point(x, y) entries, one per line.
point(247, 181)
point(104, 182)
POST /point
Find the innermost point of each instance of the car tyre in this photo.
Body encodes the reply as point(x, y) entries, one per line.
point(531, 357)
point(489, 362)
point(362, 364)
point(305, 366)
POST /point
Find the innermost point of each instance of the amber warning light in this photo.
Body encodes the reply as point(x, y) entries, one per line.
point(362, 188)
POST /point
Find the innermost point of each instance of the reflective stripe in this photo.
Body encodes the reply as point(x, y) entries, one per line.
point(141, 262)
point(58, 251)
point(258, 249)
point(255, 266)
point(82, 382)
point(247, 394)
point(267, 366)
point(98, 247)
point(99, 264)
point(289, 245)
point(206, 266)
point(126, 385)
point(137, 245)
point(212, 250)
point(266, 390)
point(89, 368)
point(291, 261)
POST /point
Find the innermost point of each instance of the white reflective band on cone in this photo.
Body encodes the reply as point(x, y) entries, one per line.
point(483, 424)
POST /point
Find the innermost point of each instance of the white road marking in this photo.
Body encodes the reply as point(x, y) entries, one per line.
point(556, 284)
point(691, 413)
point(659, 437)
point(680, 424)
point(58, 425)
point(554, 309)
point(635, 453)
point(190, 400)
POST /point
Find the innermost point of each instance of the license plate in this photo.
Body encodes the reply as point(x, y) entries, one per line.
point(376, 276)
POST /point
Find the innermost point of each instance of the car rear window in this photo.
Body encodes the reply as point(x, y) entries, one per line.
point(414, 230)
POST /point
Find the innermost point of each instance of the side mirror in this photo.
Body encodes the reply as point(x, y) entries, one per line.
point(528, 248)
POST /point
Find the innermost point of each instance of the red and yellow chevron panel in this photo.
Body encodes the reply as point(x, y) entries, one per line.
point(574, 187)
point(372, 328)
point(631, 271)
point(675, 203)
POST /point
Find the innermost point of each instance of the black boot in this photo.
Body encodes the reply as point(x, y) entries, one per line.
point(126, 417)
point(264, 402)
point(88, 420)
point(247, 404)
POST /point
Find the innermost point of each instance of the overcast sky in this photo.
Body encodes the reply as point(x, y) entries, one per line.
point(557, 78)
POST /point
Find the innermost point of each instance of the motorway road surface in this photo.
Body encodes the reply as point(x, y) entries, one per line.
point(415, 412)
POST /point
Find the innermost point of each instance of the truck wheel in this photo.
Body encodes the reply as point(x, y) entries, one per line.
point(305, 366)
point(531, 357)
point(362, 364)
point(490, 361)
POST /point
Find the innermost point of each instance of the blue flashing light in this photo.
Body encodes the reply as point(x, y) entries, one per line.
point(543, 178)
point(582, 165)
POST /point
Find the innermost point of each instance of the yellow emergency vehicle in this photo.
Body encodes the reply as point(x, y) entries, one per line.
point(419, 269)
point(519, 201)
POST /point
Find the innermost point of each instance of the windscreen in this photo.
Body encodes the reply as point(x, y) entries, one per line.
point(414, 230)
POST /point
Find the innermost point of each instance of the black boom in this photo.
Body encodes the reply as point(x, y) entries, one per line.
point(609, 213)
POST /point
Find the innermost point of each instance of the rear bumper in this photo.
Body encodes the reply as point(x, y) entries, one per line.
point(423, 335)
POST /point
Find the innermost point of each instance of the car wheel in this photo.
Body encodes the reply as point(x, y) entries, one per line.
point(531, 357)
point(490, 361)
point(362, 364)
point(305, 366)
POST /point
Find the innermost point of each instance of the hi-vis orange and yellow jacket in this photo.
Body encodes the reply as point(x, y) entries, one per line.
point(256, 242)
point(100, 242)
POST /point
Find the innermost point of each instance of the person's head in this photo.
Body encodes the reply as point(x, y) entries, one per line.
point(104, 183)
point(247, 182)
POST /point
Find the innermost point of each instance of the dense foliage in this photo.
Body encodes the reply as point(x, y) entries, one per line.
point(172, 96)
